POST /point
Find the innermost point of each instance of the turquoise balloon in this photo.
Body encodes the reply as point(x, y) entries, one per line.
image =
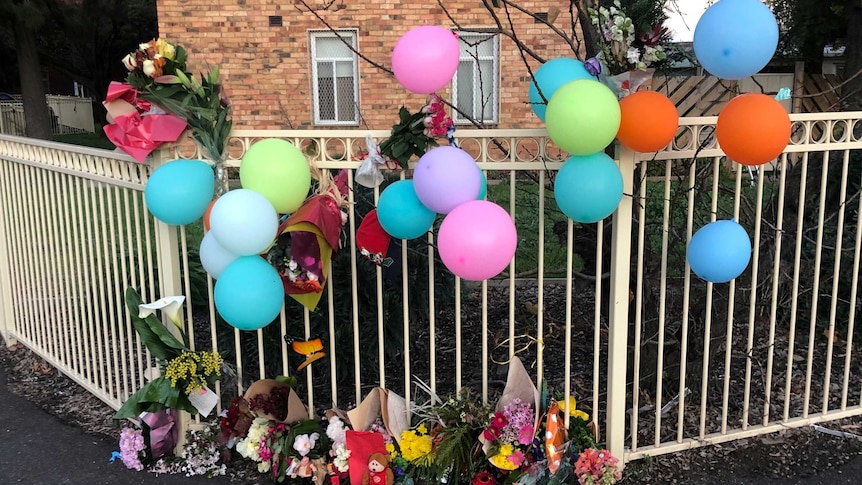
point(401, 213)
point(719, 251)
point(735, 39)
point(550, 76)
point(249, 293)
point(588, 188)
point(484, 191)
point(179, 192)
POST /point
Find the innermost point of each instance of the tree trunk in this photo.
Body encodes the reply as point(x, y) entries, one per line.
point(36, 114)
point(852, 91)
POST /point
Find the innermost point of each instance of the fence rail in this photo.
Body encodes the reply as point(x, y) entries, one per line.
point(609, 312)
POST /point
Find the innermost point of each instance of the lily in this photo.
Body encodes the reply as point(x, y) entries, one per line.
point(169, 305)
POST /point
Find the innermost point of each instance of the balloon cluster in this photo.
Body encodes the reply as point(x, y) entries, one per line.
point(583, 116)
point(477, 239)
point(239, 225)
point(735, 39)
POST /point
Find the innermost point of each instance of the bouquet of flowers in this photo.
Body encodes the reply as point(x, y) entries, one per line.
point(628, 48)
point(597, 467)
point(187, 374)
point(511, 433)
point(158, 71)
point(132, 448)
point(416, 132)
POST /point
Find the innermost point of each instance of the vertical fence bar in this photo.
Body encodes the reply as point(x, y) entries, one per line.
point(639, 303)
point(731, 303)
point(170, 283)
point(7, 324)
point(755, 265)
point(776, 280)
point(854, 289)
point(662, 301)
point(619, 309)
point(540, 290)
point(794, 301)
point(836, 270)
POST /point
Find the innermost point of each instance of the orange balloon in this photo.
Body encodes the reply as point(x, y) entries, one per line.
point(207, 215)
point(753, 129)
point(648, 121)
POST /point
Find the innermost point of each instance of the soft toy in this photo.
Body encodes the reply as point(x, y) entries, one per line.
point(378, 472)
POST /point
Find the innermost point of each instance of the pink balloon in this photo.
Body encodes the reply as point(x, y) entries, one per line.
point(425, 58)
point(477, 240)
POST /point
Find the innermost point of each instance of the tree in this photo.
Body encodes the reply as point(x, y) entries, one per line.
point(25, 18)
point(809, 25)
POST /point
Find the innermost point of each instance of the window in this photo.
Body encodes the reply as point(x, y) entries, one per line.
point(475, 86)
point(335, 78)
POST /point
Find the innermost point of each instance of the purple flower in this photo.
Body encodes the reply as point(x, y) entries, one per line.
point(593, 66)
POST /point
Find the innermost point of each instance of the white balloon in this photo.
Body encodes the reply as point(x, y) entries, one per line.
point(243, 222)
point(214, 257)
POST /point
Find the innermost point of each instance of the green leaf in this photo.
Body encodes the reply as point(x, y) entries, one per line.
point(156, 395)
point(158, 339)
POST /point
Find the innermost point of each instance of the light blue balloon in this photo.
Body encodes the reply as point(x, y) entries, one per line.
point(214, 257)
point(550, 76)
point(400, 212)
point(179, 192)
point(588, 188)
point(484, 191)
point(249, 293)
point(735, 39)
point(719, 251)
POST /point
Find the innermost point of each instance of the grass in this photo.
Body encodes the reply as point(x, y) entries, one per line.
point(527, 219)
point(93, 140)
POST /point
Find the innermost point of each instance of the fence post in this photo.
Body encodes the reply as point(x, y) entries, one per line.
point(6, 315)
point(621, 242)
point(170, 281)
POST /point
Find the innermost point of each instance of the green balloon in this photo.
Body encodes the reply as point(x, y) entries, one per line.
point(278, 171)
point(583, 117)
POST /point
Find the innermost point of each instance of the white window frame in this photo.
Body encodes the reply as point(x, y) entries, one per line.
point(490, 113)
point(352, 35)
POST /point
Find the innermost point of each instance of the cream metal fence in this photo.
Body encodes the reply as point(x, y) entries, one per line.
point(609, 312)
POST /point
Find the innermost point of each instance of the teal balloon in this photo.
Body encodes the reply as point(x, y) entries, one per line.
point(719, 251)
point(179, 192)
point(484, 191)
point(588, 188)
point(550, 76)
point(400, 212)
point(735, 39)
point(249, 293)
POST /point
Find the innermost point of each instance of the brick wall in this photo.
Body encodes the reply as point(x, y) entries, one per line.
point(267, 70)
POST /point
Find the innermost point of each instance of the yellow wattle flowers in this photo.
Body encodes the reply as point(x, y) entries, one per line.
point(193, 369)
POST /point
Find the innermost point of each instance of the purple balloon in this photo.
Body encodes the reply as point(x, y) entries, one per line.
point(477, 240)
point(445, 178)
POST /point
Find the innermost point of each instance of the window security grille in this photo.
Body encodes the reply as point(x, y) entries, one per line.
point(475, 88)
point(335, 78)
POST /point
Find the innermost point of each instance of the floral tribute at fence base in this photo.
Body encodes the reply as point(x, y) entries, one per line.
point(385, 441)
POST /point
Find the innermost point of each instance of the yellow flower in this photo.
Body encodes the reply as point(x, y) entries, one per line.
point(501, 461)
point(507, 449)
point(416, 447)
point(165, 49)
point(390, 448)
point(575, 413)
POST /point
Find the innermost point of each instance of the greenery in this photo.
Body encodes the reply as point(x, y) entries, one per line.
point(93, 140)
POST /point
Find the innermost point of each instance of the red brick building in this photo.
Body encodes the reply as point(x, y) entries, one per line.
point(285, 69)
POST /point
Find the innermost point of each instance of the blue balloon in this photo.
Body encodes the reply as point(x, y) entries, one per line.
point(249, 293)
point(719, 251)
point(588, 188)
point(401, 213)
point(550, 76)
point(179, 192)
point(735, 39)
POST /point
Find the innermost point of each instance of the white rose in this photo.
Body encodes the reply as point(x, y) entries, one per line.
point(144, 46)
point(130, 62)
point(149, 68)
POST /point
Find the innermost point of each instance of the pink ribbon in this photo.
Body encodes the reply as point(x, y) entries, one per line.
point(134, 133)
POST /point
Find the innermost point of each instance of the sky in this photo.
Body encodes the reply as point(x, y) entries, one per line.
point(683, 16)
